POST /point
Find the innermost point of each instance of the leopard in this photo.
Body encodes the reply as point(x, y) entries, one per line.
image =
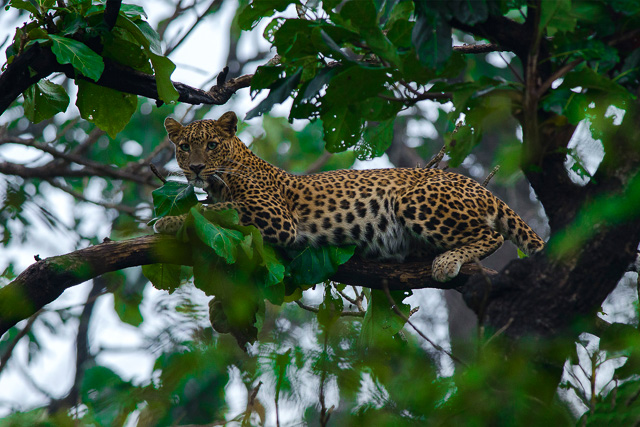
point(392, 214)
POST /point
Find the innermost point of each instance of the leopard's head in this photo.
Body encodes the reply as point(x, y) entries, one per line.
point(204, 146)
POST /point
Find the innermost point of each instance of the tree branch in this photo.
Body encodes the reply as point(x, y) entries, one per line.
point(44, 281)
point(39, 62)
point(479, 48)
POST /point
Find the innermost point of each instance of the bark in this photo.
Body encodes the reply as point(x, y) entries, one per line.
point(545, 294)
point(45, 280)
point(38, 62)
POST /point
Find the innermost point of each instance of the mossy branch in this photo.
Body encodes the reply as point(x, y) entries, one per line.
point(45, 280)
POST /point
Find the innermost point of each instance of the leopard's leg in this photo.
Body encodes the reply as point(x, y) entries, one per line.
point(449, 222)
point(171, 224)
point(447, 265)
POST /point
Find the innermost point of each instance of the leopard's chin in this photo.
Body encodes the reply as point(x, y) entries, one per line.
point(197, 182)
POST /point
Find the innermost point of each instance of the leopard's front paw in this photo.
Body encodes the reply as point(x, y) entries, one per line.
point(445, 267)
point(168, 224)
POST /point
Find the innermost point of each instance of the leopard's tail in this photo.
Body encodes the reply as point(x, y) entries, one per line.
point(511, 226)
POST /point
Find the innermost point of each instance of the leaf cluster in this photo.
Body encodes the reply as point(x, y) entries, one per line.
point(78, 35)
point(233, 264)
point(341, 67)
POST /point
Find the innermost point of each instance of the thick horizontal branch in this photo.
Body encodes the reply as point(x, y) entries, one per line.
point(45, 280)
point(401, 276)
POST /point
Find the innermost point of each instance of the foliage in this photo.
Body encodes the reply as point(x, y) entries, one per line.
point(234, 265)
point(358, 71)
point(78, 26)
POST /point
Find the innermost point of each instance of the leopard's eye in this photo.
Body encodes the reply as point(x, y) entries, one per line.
point(185, 147)
point(212, 145)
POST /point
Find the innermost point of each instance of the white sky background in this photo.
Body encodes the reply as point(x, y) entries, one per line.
point(198, 59)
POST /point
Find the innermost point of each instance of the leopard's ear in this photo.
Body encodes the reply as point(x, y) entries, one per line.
point(228, 123)
point(173, 128)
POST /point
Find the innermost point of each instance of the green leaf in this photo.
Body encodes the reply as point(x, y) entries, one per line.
point(342, 126)
point(431, 37)
point(264, 77)
point(275, 268)
point(108, 108)
point(108, 397)
point(173, 198)
point(556, 16)
point(314, 265)
point(127, 298)
point(150, 42)
point(362, 15)
point(380, 321)
point(133, 11)
point(376, 109)
point(321, 79)
point(152, 38)
point(356, 84)
point(163, 276)
point(256, 10)
point(83, 59)
point(377, 138)
point(238, 306)
point(25, 5)
point(121, 48)
point(400, 33)
point(588, 78)
point(330, 309)
point(278, 93)
point(44, 100)
point(483, 111)
point(223, 241)
point(164, 67)
point(460, 144)
point(620, 407)
point(266, 256)
point(627, 7)
point(281, 363)
point(565, 102)
point(468, 12)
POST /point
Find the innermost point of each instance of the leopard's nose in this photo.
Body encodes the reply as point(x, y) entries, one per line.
point(196, 168)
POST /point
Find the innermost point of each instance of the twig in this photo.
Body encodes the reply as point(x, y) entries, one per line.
point(251, 401)
point(195, 24)
point(342, 314)
point(555, 76)
point(317, 165)
point(157, 173)
point(24, 331)
point(77, 195)
point(491, 174)
point(499, 332)
point(400, 314)
point(513, 70)
point(421, 97)
point(94, 135)
point(325, 413)
point(95, 167)
point(479, 48)
point(33, 382)
point(436, 159)
point(353, 301)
